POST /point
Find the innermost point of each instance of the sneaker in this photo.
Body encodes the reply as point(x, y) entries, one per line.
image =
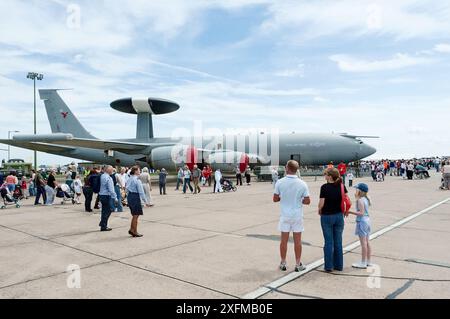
point(299, 267)
point(283, 266)
point(360, 265)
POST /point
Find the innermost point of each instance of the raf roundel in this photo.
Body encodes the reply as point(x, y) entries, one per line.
point(144, 105)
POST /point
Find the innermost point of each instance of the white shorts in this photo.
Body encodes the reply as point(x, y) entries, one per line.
point(287, 225)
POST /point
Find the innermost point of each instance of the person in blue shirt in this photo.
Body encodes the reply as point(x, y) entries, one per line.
point(107, 193)
point(162, 181)
point(135, 196)
point(180, 175)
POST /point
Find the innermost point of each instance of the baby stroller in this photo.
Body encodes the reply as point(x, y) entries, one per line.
point(421, 174)
point(227, 185)
point(66, 194)
point(380, 176)
point(8, 198)
point(442, 184)
point(18, 193)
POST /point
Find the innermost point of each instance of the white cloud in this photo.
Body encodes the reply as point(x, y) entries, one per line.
point(402, 80)
point(320, 99)
point(416, 130)
point(298, 72)
point(402, 19)
point(442, 48)
point(349, 63)
point(49, 26)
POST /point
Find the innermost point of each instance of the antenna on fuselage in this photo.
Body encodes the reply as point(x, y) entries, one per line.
point(144, 108)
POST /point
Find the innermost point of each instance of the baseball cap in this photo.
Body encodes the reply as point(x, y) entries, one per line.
point(362, 187)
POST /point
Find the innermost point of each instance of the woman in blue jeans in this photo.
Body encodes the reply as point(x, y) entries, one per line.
point(332, 220)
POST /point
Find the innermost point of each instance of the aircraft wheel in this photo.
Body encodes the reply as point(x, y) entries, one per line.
point(2, 207)
point(17, 206)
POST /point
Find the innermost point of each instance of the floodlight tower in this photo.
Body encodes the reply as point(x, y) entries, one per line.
point(35, 76)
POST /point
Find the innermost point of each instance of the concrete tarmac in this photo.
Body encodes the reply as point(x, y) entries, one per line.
point(223, 246)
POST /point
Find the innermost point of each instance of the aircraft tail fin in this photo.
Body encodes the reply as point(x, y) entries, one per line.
point(61, 118)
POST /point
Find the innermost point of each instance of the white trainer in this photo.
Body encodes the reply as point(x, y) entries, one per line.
point(360, 265)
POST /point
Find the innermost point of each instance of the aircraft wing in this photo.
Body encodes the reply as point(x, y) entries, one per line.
point(41, 147)
point(125, 147)
point(68, 140)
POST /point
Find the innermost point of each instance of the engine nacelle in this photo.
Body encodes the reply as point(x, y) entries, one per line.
point(229, 160)
point(171, 157)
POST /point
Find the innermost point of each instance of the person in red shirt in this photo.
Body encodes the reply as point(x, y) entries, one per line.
point(24, 187)
point(207, 174)
point(204, 176)
point(342, 168)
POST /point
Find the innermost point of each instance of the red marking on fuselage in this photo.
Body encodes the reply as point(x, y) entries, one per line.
point(64, 114)
point(191, 157)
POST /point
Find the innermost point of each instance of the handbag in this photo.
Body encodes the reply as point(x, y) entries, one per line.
point(346, 203)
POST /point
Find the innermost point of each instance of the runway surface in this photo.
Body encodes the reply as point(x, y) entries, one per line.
point(226, 246)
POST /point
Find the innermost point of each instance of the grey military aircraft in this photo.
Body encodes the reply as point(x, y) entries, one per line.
point(226, 152)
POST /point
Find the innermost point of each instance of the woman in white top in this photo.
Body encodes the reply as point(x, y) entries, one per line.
point(146, 184)
point(410, 170)
point(77, 187)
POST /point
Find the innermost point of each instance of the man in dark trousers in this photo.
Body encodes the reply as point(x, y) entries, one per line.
point(39, 183)
point(87, 190)
point(238, 176)
point(107, 196)
point(95, 183)
point(162, 181)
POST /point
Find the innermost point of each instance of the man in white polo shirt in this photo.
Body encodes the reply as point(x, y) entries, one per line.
point(292, 193)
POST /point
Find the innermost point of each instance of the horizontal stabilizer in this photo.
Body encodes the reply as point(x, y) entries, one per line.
point(357, 136)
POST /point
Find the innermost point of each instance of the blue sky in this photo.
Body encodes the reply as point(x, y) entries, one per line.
point(363, 67)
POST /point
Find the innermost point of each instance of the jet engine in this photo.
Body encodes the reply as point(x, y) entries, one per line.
point(171, 157)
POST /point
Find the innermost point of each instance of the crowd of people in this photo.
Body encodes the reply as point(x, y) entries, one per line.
point(407, 169)
point(114, 188)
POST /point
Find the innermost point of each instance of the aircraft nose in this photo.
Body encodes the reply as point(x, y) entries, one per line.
point(368, 150)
